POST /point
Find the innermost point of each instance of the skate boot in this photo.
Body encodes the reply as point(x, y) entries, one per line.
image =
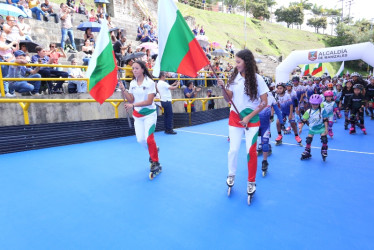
point(287, 131)
point(363, 129)
point(346, 125)
point(352, 130)
point(324, 152)
point(278, 141)
point(265, 165)
point(259, 149)
point(331, 134)
point(298, 140)
point(230, 183)
point(228, 138)
point(306, 154)
point(251, 189)
point(155, 170)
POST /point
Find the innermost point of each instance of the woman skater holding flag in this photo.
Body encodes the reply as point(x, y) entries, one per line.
point(247, 90)
point(140, 97)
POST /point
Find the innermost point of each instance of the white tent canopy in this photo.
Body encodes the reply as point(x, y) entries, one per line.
point(363, 51)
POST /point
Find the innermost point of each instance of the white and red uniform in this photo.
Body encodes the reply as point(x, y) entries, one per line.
point(145, 117)
point(245, 106)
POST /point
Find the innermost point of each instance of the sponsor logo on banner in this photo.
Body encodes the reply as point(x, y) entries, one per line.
point(312, 55)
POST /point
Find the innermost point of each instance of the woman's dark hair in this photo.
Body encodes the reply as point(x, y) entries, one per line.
point(146, 72)
point(250, 84)
point(189, 83)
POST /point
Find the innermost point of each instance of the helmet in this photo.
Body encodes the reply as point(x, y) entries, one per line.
point(315, 99)
point(330, 85)
point(209, 90)
point(317, 78)
point(339, 83)
point(328, 93)
point(355, 74)
point(323, 76)
point(289, 83)
point(281, 84)
point(295, 78)
point(358, 86)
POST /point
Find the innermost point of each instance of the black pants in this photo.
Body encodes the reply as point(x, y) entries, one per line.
point(168, 115)
point(51, 14)
point(354, 113)
point(49, 73)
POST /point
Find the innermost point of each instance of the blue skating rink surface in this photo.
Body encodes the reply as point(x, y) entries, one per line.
point(98, 195)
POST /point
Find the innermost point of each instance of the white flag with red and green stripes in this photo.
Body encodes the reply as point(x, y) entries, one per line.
point(102, 69)
point(317, 69)
point(179, 51)
point(306, 70)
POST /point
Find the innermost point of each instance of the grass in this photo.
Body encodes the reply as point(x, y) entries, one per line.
point(263, 37)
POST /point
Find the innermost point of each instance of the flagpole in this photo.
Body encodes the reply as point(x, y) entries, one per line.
point(227, 95)
point(123, 95)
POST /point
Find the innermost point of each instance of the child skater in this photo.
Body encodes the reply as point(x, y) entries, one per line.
point(328, 108)
point(369, 92)
point(317, 125)
point(247, 90)
point(356, 105)
point(337, 96)
point(346, 94)
point(140, 97)
point(286, 105)
point(266, 117)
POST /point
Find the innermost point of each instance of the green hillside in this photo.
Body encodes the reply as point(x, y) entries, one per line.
point(263, 37)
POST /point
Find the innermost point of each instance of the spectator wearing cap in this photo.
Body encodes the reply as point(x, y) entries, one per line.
point(46, 7)
point(47, 72)
point(163, 88)
point(33, 5)
point(23, 86)
point(25, 28)
point(81, 86)
point(12, 29)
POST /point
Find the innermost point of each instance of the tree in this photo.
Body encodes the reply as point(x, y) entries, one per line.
point(259, 9)
point(303, 4)
point(318, 10)
point(290, 15)
point(317, 23)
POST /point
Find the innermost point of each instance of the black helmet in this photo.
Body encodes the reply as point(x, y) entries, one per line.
point(358, 86)
point(295, 78)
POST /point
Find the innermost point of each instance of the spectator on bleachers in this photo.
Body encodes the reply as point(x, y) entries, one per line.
point(70, 3)
point(46, 7)
point(120, 49)
point(101, 17)
point(6, 55)
point(109, 22)
point(12, 29)
point(55, 53)
point(190, 92)
point(2, 21)
point(31, 87)
point(129, 51)
point(145, 38)
point(140, 32)
point(81, 85)
point(202, 31)
point(47, 72)
point(33, 5)
point(92, 16)
point(152, 36)
point(88, 49)
point(26, 8)
point(25, 28)
point(23, 47)
point(89, 35)
point(113, 36)
point(66, 26)
point(17, 4)
point(82, 8)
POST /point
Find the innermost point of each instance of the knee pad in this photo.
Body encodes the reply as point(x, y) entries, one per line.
point(309, 140)
point(265, 144)
point(324, 139)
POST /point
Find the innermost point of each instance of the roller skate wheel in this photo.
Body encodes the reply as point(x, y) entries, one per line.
point(229, 191)
point(249, 199)
point(151, 176)
point(264, 173)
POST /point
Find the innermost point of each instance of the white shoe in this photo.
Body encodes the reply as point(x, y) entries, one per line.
point(10, 95)
point(251, 187)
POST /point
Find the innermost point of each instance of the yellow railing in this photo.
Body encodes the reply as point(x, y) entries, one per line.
point(2, 90)
point(25, 103)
